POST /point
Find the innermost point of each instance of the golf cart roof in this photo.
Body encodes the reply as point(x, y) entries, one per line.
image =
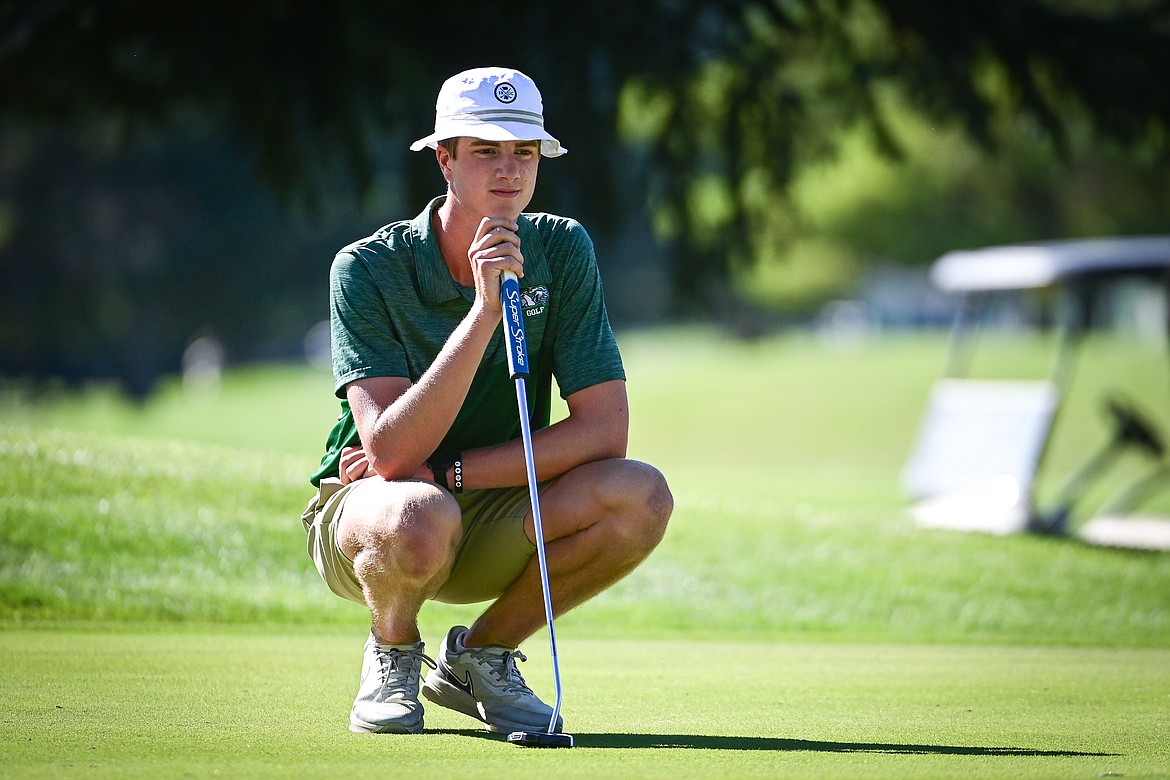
point(1026, 266)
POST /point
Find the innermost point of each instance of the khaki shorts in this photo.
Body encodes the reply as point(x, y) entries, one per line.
point(491, 553)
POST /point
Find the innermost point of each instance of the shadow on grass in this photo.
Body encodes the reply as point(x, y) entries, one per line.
point(706, 742)
point(702, 742)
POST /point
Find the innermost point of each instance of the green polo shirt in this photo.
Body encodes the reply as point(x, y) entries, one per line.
point(393, 304)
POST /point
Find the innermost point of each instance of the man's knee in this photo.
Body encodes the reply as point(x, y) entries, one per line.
point(409, 534)
point(646, 504)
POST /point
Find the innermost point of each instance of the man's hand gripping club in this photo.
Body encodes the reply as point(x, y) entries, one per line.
point(495, 249)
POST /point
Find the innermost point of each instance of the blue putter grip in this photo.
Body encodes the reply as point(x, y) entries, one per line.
point(514, 325)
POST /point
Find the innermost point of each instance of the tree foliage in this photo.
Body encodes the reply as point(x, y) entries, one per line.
point(712, 107)
point(780, 80)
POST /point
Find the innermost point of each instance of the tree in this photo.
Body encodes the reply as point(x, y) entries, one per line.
point(777, 83)
point(714, 105)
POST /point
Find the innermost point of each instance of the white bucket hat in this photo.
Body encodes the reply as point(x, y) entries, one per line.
point(492, 104)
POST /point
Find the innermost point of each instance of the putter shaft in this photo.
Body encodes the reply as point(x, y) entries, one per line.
point(542, 560)
point(517, 352)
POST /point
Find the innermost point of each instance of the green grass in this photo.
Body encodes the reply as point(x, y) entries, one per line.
point(283, 408)
point(260, 703)
point(157, 606)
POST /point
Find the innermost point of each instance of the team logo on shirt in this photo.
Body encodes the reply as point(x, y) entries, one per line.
point(534, 299)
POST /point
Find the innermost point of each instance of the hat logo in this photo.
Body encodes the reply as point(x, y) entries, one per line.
point(505, 92)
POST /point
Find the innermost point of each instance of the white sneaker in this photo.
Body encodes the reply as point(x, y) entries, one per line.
point(483, 682)
point(387, 700)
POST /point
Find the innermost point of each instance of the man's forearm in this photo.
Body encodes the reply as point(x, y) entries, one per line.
point(597, 429)
point(399, 438)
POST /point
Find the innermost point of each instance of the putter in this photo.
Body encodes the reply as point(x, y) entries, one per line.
point(518, 370)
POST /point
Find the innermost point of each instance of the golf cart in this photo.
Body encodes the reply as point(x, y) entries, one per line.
point(983, 441)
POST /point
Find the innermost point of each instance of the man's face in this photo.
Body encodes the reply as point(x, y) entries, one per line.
point(491, 178)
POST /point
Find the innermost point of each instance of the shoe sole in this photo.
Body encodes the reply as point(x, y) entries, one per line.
point(452, 697)
point(393, 727)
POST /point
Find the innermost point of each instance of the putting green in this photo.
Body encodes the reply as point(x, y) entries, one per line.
point(190, 701)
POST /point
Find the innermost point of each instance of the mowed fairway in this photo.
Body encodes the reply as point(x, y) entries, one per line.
point(221, 702)
point(160, 618)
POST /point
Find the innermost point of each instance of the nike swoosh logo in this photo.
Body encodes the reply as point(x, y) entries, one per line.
point(463, 684)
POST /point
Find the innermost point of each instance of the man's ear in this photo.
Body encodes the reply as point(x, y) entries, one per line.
point(443, 158)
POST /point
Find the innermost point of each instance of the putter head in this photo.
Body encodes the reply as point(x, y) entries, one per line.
point(540, 739)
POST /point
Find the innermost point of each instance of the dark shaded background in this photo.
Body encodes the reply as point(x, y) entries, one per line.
point(190, 168)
